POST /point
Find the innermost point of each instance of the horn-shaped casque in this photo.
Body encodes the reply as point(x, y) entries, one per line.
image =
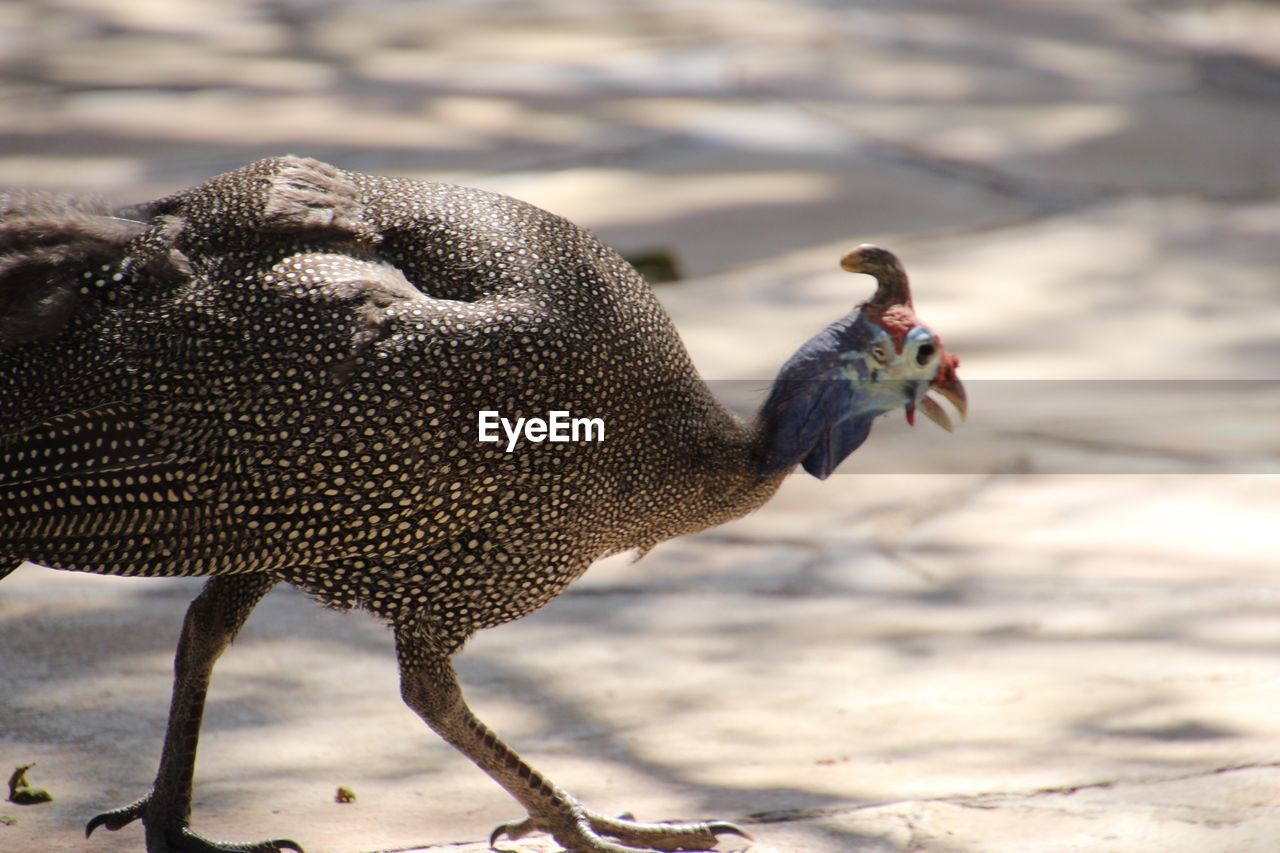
point(892, 287)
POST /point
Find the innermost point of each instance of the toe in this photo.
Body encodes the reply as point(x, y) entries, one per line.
point(664, 836)
point(513, 830)
point(187, 841)
point(118, 818)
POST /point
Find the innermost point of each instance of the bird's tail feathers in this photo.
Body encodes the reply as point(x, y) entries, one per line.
point(46, 242)
point(50, 244)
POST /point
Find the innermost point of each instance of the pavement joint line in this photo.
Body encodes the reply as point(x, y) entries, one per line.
point(441, 846)
point(994, 798)
point(1107, 784)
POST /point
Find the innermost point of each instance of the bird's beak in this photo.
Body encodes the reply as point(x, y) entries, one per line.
point(948, 384)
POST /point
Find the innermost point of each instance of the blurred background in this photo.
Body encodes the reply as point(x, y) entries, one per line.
point(1054, 629)
point(1082, 193)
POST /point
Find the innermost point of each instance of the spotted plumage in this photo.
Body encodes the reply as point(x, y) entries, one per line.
point(305, 403)
point(276, 375)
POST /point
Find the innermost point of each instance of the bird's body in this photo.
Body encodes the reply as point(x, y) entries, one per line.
point(277, 376)
point(304, 404)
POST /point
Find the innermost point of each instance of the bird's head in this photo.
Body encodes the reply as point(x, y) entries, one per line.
point(877, 358)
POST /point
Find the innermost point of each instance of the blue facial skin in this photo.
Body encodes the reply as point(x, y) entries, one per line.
point(822, 404)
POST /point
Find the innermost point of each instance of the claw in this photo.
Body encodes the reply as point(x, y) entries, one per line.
point(117, 818)
point(107, 820)
point(721, 827)
point(284, 844)
point(514, 830)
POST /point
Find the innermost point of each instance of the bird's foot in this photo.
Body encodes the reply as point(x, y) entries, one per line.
point(586, 834)
point(167, 833)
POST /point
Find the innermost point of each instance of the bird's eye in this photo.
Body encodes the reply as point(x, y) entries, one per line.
point(925, 353)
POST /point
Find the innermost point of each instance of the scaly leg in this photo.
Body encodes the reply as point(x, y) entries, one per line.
point(212, 622)
point(430, 687)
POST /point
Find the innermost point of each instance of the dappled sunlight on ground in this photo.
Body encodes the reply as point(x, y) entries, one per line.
point(1055, 629)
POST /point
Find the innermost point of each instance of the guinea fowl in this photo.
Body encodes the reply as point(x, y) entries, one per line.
point(276, 376)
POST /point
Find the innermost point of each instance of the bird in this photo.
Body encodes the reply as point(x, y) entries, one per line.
point(275, 377)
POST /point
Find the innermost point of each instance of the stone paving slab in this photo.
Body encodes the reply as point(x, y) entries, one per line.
point(1054, 630)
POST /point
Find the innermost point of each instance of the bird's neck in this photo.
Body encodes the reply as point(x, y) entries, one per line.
point(720, 475)
point(746, 478)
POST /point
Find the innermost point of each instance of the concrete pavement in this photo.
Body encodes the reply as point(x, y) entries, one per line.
point(1055, 630)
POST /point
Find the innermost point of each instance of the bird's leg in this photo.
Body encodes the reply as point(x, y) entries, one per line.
point(212, 622)
point(430, 687)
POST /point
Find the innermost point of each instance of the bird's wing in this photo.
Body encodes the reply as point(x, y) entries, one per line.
point(196, 364)
point(88, 481)
point(213, 411)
